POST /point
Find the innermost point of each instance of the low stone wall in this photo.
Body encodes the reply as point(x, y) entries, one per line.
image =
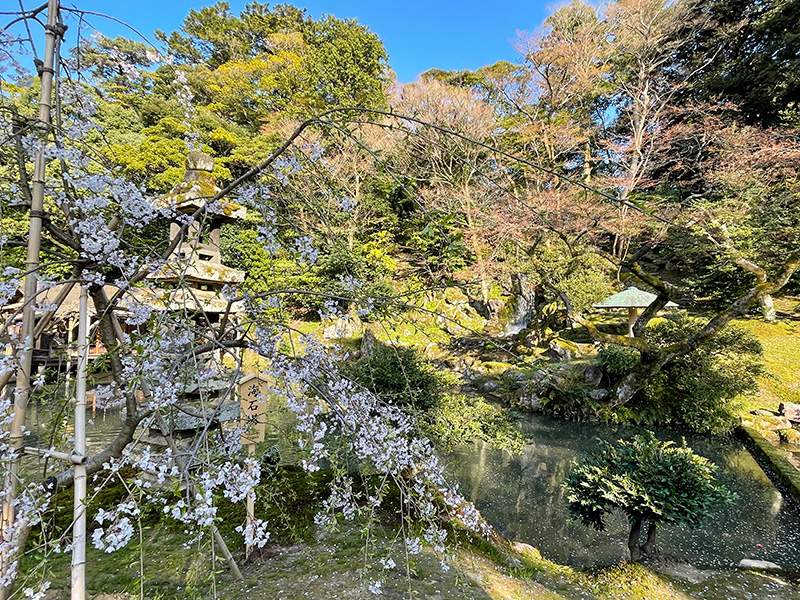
point(786, 473)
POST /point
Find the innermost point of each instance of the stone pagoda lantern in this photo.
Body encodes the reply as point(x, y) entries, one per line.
point(196, 262)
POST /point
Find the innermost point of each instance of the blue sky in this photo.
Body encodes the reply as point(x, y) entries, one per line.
point(418, 34)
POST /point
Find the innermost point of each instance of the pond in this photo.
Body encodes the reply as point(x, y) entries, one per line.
point(521, 496)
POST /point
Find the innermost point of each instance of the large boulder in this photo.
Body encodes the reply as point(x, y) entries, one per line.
point(527, 551)
point(763, 412)
point(532, 403)
point(492, 368)
point(196, 417)
point(346, 326)
point(770, 436)
point(562, 350)
point(451, 312)
point(774, 423)
point(766, 423)
point(790, 436)
point(593, 375)
point(434, 351)
point(598, 394)
point(490, 386)
point(454, 295)
point(368, 342)
point(791, 411)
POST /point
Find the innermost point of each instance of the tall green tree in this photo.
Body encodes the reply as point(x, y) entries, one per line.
point(343, 64)
point(750, 55)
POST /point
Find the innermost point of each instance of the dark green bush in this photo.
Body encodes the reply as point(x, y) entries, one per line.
point(397, 376)
point(646, 479)
point(617, 360)
point(400, 376)
point(695, 390)
point(457, 419)
point(698, 388)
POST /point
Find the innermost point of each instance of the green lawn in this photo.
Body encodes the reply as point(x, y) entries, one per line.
point(781, 382)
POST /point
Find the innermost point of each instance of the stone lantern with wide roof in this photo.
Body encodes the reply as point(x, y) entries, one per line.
point(196, 265)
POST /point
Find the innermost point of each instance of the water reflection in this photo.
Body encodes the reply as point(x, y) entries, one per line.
point(522, 497)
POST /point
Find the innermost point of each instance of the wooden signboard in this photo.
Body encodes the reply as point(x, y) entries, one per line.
point(253, 396)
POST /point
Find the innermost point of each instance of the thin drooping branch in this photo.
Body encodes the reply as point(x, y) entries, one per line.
point(513, 157)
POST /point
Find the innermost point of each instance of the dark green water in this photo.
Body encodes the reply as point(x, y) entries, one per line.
point(521, 496)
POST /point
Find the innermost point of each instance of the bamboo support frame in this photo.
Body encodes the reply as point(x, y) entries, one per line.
point(78, 565)
point(22, 394)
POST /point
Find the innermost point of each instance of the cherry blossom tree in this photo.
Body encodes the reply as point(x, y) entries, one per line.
point(161, 341)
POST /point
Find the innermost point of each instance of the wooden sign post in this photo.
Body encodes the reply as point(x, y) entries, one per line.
point(253, 396)
point(253, 391)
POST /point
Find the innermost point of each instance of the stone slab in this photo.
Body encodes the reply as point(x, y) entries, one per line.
point(763, 565)
point(791, 411)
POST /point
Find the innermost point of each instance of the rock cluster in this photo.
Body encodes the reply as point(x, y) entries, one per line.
point(776, 427)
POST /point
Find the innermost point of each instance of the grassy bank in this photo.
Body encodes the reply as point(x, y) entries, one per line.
point(781, 380)
point(334, 567)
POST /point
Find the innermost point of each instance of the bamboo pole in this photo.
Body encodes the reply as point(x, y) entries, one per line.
point(78, 570)
point(22, 392)
point(70, 325)
point(251, 505)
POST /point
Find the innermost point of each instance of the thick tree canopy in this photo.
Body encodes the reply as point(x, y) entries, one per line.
point(648, 480)
point(750, 55)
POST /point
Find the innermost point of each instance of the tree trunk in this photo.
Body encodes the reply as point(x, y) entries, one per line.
point(10, 526)
point(768, 309)
point(649, 547)
point(485, 294)
point(633, 538)
point(634, 381)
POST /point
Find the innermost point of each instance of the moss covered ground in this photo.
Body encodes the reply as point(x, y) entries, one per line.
point(781, 380)
point(307, 562)
point(334, 566)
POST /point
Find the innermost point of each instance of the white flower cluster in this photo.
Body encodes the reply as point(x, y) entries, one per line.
point(39, 594)
point(382, 436)
point(116, 528)
point(284, 167)
point(255, 533)
point(314, 151)
point(330, 310)
point(346, 204)
point(10, 67)
point(108, 396)
point(29, 505)
point(350, 283)
point(138, 314)
point(304, 246)
point(268, 232)
point(9, 284)
point(236, 480)
point(184, 96)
